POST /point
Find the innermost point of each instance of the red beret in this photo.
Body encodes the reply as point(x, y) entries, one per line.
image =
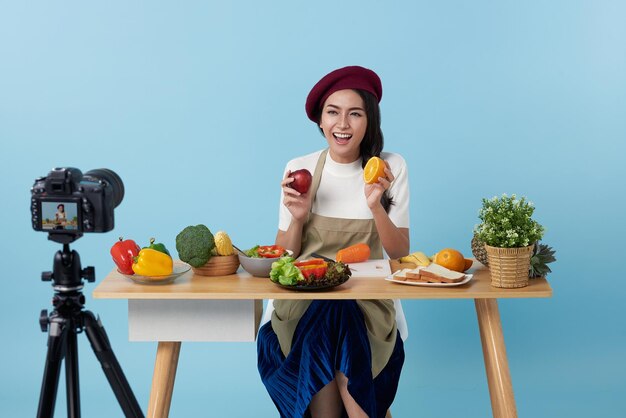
point(353, 77)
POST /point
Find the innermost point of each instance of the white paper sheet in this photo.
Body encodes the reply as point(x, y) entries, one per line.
point(371, 268)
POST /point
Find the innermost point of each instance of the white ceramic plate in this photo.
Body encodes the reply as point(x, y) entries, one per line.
point(391, 278)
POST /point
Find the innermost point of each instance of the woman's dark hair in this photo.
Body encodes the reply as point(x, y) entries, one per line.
point(373, 141)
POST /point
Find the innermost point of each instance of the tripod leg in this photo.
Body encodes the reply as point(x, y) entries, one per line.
point(102, 348)
point(57, 336)
point(71, 373)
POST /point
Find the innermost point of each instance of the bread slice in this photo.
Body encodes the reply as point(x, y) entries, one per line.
point(439, 274)
point(434, 273)
point(401, 275)
point(421, 279)
point(408, 275)
point(413, 274)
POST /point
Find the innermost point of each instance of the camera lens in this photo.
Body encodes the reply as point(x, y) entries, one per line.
point(113, 180)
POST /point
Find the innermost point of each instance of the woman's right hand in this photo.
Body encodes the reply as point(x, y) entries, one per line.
point(298, 204)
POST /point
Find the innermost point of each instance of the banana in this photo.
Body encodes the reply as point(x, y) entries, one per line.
point(417, 257)
point(422, 258)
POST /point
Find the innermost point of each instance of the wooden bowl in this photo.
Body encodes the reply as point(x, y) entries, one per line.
point(219, 265)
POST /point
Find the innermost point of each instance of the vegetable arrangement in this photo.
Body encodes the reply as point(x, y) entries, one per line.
point(312, 273)
point(153, 260)
point(266, 251)
point(195, 245)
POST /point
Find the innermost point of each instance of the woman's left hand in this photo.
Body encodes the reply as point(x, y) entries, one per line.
point(373, 192)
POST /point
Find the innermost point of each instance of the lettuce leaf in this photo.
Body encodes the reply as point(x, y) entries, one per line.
point(285, 272)
point(253, 252)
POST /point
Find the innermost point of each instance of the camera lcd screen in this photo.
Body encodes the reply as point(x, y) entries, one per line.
point(59, 216)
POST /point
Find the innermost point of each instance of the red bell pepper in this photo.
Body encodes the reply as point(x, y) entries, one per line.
point(123, 252)
point(270, 251)
point(312, 269)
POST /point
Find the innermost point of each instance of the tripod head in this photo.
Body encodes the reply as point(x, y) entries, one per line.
point(67, 273)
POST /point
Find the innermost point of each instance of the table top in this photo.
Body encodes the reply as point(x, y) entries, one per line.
point(242, 285)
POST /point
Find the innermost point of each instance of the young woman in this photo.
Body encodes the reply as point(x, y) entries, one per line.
point(332, 358)
point(60, 218)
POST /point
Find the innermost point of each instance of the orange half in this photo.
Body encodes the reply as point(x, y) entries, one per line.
point(374, 168)
point(468, 264)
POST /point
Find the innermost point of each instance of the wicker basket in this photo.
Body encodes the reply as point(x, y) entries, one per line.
point(219, 265)
point(509, 266)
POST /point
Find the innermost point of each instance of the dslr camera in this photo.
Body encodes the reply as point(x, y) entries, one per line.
point(67, 203)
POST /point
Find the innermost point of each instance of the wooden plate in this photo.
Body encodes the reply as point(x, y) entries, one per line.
point(219, 265)
point(397, 265)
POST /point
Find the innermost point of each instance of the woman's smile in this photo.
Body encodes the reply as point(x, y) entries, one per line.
point(342, 138)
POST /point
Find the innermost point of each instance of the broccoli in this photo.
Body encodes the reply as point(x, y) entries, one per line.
point(194, 245)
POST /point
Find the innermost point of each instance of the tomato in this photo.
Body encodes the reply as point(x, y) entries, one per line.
point(270, 251)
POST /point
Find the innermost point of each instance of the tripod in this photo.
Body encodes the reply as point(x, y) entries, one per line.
point(66, 321)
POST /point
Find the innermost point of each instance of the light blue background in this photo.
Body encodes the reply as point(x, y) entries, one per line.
point(198, 106)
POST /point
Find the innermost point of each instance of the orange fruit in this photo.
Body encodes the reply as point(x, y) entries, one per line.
point(450, 259)
point(468, 264)
point(374, 168)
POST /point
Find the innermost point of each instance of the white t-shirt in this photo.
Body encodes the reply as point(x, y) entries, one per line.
point(341, 191)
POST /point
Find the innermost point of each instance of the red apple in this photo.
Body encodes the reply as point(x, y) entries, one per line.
point(301, 180)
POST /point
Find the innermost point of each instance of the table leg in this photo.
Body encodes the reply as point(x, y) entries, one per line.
point(496, 363)
point(163, 379)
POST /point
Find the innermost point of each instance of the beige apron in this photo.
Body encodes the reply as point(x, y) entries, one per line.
point(326, 235)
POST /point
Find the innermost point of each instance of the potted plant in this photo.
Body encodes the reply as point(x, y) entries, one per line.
point(509, 234)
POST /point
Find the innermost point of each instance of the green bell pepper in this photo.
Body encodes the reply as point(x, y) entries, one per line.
point(157, 246)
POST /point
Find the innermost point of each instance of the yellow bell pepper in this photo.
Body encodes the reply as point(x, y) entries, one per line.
point(150, 262)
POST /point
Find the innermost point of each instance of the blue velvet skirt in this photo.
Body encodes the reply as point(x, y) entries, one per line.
point(330, 336)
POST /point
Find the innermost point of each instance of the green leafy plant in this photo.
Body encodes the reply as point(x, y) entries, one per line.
point(507, 222)
point(542, 255)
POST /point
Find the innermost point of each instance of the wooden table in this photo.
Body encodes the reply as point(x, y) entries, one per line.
point(229, 308)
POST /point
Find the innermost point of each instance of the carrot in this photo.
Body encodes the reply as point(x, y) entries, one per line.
point(356, 253)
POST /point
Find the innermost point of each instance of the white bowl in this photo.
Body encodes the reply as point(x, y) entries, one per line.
point(258, 267)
